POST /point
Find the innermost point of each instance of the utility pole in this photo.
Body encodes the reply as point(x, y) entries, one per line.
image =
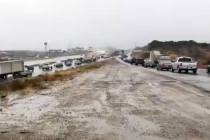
point(135, 45)
point(45, 48)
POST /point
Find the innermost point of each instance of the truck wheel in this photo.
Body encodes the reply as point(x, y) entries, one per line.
point(195, 71)
point(186, 71)
point(14, 76)
point(4, 77)
point(172, 70)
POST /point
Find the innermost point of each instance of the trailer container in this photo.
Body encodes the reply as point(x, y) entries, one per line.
point(13, 67)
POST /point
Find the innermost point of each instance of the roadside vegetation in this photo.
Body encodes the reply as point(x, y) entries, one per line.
point(44, 81)
point(199, 51)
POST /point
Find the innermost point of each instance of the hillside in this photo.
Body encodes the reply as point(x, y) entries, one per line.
point(199, 51)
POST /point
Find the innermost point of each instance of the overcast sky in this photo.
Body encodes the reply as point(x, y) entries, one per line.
point(26, 24)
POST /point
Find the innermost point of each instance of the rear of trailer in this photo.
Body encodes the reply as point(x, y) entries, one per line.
point(13, 67)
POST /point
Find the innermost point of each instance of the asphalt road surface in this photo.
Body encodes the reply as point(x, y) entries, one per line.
point(115, 102)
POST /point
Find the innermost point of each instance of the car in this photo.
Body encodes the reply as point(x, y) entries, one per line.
point(29, 68)
point(77, 62)
point(68, 63)
point(208, 69)
point(58, 65)
point(151, 64)
point(127, 60)
point(90, 60)
point(123, 57)
point(164, 63)
point(184, 64)
point(26, 73)
point(46, 67)
point(147, 63)
point(22, 74)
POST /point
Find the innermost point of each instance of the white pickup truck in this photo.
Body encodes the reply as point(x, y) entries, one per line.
point(184, 64)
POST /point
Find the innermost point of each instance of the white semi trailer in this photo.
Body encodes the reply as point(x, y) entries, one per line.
point(14, 67)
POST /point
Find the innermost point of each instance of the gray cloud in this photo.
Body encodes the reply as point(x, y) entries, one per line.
point(26, 24)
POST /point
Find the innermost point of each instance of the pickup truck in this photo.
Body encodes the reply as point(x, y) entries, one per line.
point(184, 64)
point(164, 65)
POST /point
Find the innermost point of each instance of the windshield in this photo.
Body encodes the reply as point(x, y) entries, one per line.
point(185, 60)
point(165, 61)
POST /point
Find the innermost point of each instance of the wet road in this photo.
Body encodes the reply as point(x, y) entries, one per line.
point(116, 102)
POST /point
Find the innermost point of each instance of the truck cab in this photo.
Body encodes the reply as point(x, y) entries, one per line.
point(164, 63)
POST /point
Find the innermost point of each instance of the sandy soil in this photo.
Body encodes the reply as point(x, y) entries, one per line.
point(116, 102)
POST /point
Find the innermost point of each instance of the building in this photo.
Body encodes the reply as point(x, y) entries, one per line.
point(77, 51)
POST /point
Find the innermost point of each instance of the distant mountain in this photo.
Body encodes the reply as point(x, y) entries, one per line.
point(199, 51)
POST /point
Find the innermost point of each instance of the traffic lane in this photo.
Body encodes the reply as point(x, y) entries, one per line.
point(200, 80)
point(38, 71)
point(49, 60)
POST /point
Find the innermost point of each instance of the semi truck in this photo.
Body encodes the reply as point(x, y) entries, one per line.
point(12, 67)
point(137, 57)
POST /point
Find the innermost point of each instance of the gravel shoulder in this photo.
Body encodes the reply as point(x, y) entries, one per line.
point(115, 102)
